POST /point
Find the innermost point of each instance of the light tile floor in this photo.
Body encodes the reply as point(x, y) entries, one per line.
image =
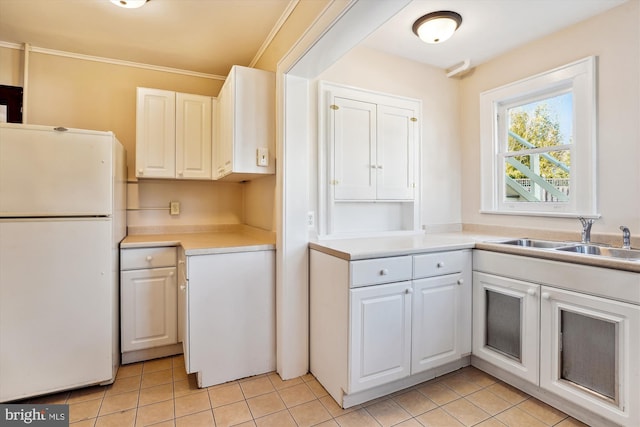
point(161, 394)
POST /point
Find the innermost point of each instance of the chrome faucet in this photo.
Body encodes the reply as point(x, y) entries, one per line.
point(586, 229)
point(626, 237)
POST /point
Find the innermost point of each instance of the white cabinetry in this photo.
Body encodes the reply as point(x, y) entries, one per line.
point(568, 334)
point(148, 298)
point(228, 309)
point(370, 146)
point(173, 134)
point(506, 323)
point(376, 327)
point(245, 146)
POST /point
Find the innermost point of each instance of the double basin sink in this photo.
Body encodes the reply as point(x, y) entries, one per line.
point(578, 248)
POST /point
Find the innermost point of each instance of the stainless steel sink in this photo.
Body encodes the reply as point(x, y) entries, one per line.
point(533, 243)
point(626, 254)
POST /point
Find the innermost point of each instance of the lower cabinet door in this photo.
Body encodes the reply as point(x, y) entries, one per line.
point(589, 353)
point(148, 308)
point(505, 324)
point(439, 321)
point(380, 342)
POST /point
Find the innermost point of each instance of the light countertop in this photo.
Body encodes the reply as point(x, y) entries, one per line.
point(237, 239)
point(365, 248)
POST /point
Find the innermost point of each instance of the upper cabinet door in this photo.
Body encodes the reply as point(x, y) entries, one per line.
point(396, 144)
point(354, 149)
point(193, 136)
point(155, 133)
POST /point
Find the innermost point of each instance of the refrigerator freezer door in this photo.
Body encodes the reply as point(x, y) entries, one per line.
point(51, 173)
point(56, 300)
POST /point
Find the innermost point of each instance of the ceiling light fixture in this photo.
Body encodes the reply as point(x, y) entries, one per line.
point(129, 4)
point(436, 27)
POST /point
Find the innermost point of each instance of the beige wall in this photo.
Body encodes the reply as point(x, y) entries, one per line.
point(440, 142)
point(614, 37)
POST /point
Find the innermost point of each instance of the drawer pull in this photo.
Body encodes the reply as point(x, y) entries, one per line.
point(460, 281)
point(149, 258)
point(384, 272)
point(440, 264)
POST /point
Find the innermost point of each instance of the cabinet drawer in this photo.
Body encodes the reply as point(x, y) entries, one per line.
point(132, 259)
point(439, 263)
point(381, 270)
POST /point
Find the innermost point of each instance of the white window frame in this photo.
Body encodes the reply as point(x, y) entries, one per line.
point(580, 78)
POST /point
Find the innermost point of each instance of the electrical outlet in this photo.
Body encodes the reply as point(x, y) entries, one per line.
point(174, 208)
point(311, 219)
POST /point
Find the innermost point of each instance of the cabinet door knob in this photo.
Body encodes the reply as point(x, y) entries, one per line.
point(180, 173)
point(140, 171)
point(149, 258)
point(440, 264)
point(170, 273)
point(460, 281)
point(183, 287)
point(384, 272)
point(408, 291)
point(531, 292)
point(546, 295)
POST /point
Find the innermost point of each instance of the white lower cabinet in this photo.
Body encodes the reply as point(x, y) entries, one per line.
point(148, 296)
point(380, 334)
point(383, 324)
point(228, 315)
point(572, 338)
point(505, 324)
point(589, 353)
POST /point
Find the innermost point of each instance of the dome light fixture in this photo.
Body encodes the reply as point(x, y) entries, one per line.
point(436, 27)
point(129, 4)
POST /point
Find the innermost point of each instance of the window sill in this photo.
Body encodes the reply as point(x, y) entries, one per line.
point(542, 214)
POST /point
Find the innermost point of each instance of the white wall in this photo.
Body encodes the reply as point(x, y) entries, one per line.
point(440, 143)
point(614, 37)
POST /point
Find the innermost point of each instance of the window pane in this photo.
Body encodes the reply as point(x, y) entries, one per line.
point(543, 123)
point(539, 177)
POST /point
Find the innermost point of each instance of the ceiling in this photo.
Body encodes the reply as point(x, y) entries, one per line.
point(209, 36)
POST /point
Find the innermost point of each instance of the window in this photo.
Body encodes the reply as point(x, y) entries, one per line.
point(538, 140)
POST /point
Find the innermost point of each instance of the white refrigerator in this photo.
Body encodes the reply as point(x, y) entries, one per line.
point(62, 217)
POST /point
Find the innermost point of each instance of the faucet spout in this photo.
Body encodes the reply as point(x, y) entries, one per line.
point(626, 237)
point(586, 229)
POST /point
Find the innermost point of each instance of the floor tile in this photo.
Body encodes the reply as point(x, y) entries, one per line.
point(123, 385)
point(192, 403)
point(334, 409)
point(84, 394)
point(279, 383)
point(465, 412)
point(199, 419)
point(461, 385)
point(439, 393)
point(188, 386)
point(438, 418)
point(296, 395)
point(119, 402)
point(155, 378)
point(540, 410)
point(316, 388)
point(118, 419)
point(571, 422)
point(157, 365)
point(257, 386)
point(310, 413)
point(225, 394)
point(279, 419)
point(515, 417)
point(414, 402)
point(232, 414)
point(265, 404)
point(387, 412)
point(155, 394)
point(155, 413)
point(357, 418)
point(508, 393)
point(488, 402)
point(84, 410)
point(132, 370)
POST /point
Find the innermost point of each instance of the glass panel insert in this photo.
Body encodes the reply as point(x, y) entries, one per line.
point(588, 356)
point(503, 319)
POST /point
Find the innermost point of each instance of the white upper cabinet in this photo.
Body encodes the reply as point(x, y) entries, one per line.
point(373, 148)
point(193, 136)
point(173, 135)
point(245, 144)
point(369, 171)
point(155, 134)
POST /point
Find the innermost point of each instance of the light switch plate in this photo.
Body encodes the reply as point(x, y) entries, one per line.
point(262, 156)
